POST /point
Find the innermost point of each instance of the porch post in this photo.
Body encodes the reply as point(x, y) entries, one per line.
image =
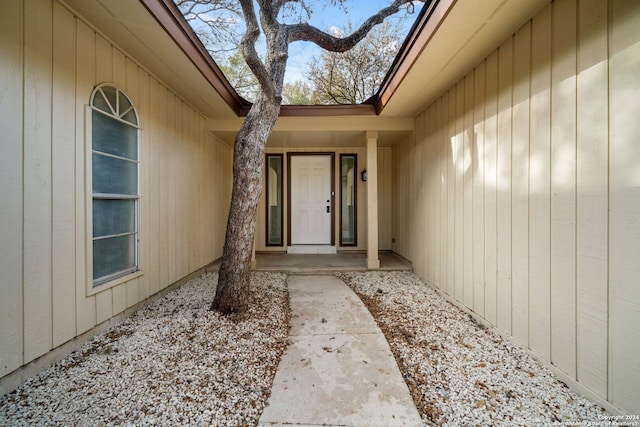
point(373, 263)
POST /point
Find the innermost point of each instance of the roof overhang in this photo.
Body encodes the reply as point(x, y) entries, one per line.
point(323, 131)
point(449, 39)
point(149, 32)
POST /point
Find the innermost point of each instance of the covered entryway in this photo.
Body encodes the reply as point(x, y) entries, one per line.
point(311, 203)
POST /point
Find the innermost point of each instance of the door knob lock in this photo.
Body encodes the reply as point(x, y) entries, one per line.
point(328, 209)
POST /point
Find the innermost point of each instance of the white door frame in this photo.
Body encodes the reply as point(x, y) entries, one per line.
point(332, 156)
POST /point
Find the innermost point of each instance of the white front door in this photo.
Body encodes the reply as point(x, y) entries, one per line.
point(311, 200)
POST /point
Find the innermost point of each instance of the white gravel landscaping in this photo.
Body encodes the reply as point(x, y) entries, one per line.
point(458, 372)
point(173, 362)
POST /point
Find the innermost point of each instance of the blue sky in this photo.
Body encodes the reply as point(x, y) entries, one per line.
point(325, 16)
point(357, 11)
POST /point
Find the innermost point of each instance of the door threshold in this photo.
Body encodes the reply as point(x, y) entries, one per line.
point(311, 249)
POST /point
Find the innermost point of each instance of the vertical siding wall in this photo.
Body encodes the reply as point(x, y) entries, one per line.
point(50, 63)
point(519, 196)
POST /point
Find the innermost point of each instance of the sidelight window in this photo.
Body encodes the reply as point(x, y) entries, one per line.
point(274, 199)
point(348, 199)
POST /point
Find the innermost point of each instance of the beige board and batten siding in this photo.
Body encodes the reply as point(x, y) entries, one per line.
point(51, 62)
point(384, 199)
point(520, 195)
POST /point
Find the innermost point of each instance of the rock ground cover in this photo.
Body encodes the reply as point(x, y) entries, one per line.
point(459, 372)
point(173, 362)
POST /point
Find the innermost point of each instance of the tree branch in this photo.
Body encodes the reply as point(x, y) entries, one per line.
point(277, 43)
point(306, 32)
point(248, 45)
point(278, 5)
point(269, 11)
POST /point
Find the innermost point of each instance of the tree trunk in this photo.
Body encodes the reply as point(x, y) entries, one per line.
point(232, 292)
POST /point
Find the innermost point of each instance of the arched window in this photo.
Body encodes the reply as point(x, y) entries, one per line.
point(114, 165)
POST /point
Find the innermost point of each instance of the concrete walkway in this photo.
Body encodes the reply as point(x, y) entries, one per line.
point(338, 369)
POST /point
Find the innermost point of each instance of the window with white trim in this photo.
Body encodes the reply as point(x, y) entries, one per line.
point(114, 165)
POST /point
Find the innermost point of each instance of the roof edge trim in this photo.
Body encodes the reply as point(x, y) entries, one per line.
point(417, 40)
point(167, 14)
point(327, 110)
point(169, 17)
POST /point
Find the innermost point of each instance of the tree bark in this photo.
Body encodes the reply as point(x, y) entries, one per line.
point(232, 292)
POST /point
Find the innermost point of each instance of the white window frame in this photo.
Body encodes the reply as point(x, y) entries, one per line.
point(115, 279)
